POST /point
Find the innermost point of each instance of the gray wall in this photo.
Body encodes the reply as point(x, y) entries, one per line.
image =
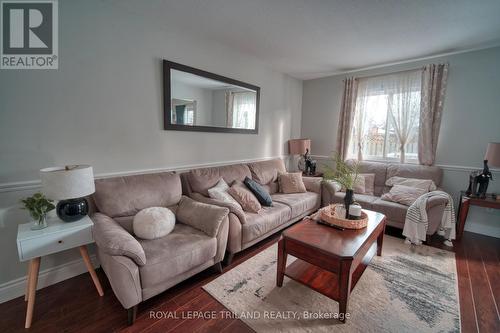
point(104, 107)
point(203, 98)
point(471, 119)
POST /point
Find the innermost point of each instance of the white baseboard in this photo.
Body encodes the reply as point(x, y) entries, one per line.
point(15, 288)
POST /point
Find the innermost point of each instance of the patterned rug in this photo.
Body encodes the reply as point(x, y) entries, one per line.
point(408, 289)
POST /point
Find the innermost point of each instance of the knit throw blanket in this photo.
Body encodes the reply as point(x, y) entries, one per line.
point(416, 222)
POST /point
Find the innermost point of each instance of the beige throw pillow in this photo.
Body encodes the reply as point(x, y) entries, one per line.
point(219, 192)
point(425, 184)
point(359, 184)
point(291, 183)
point(365, 184)
point(245, 197)
point(402, 194)
point(369, 183)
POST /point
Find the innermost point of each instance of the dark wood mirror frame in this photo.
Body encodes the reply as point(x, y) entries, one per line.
point(167, 66)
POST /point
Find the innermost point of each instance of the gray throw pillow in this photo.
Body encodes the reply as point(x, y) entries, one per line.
point(260, 192)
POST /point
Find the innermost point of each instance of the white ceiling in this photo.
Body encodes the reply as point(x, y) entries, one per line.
point(314, 38)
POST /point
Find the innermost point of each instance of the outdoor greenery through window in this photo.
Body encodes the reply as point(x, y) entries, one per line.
point(386, 118)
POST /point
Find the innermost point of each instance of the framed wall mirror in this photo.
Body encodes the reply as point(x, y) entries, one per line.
point(196, 100)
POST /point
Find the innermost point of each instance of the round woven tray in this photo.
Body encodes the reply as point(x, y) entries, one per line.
point(330, 215)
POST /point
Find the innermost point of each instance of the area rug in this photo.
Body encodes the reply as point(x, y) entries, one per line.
point(409, 289)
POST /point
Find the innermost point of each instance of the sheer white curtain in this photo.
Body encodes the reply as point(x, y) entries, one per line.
point(242, 110)
point(404, 107)
point(386, 116)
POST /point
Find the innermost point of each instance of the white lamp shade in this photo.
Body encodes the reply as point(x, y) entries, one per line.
point(493, 154)
point(71, 182)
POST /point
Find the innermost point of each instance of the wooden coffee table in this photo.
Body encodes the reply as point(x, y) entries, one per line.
point(330, 261)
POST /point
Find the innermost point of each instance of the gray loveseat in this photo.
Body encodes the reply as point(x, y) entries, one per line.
point(137, 268)
point(395, 212)
point(246, 229)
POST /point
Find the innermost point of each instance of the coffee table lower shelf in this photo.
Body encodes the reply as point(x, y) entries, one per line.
point(323, 281)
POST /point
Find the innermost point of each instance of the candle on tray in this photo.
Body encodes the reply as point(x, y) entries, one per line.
point(354, 211)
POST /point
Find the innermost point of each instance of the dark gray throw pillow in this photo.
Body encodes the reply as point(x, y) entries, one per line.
point(259, 192)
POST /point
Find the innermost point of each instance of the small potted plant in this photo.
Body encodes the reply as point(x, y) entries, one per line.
point(344, 174)
point(38, 206)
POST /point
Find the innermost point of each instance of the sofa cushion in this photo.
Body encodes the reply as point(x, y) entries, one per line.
point(245, 197)
point(365, 200)
point(425, 184)
point(200, 180)
point(265, 172)
point(415, 171)
point(202, 216)
point(126, 196)
point(369, 183)
point(272, 188)
point(185, 247)
point(402, 194)
point(394, 211)
point(219, 192)
point(377, 168)
point(153, 222)
point(299, 203)
point(266, 220)
point(291, 182)
point(259, 191)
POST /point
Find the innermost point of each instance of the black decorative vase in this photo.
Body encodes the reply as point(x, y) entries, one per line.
point(72, 210)
point(348, 200)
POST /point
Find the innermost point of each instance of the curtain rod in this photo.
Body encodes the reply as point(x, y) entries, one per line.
point(394, 72)
point(390, 73)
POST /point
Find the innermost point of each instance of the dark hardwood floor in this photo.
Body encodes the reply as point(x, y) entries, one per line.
point(74, 306)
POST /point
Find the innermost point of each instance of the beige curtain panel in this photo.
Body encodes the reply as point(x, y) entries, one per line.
point(346, 116)
point(434, 80)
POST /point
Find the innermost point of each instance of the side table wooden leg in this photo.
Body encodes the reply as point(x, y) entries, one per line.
point(281, 266)
point(33, 280)
point(90, 268)
point(462, 216)
point(27, 282)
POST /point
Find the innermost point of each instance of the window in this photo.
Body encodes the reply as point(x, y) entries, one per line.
point(242, 109)
point(386, 118)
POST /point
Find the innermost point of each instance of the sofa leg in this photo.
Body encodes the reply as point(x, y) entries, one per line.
point(131, 314)
point(229, 258)
point(218, 267)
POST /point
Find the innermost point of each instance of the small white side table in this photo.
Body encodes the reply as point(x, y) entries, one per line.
point(58, 236)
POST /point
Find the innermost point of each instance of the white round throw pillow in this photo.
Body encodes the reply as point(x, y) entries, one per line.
point(153, 222)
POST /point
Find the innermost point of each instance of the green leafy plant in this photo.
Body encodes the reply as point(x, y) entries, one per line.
point(343, 173)
point(38, 205)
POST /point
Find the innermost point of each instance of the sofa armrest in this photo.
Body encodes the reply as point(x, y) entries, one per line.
point(313, 184)
point(114, 240)
point(205, 217)
point(328, 190)
point(123, 275)
point(435, 201)
point(232, 208)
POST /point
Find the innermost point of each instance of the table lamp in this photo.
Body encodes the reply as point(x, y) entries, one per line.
point(300, 147)
point(69, 184)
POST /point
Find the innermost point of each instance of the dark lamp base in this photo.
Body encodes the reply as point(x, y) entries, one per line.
point(72, 210)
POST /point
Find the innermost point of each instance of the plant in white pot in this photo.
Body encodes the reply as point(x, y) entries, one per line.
point(345, 174)
point(38, 206)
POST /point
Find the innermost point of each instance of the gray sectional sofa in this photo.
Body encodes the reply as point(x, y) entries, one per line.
point(395, 212)
point(206, 228)
point(139, 269)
